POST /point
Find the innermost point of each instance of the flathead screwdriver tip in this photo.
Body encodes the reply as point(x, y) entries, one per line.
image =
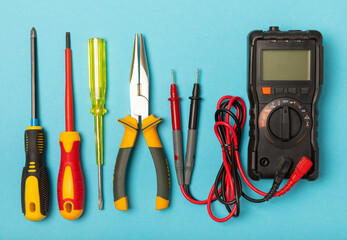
point(172, 77)
point(100, 202)
point(67, 39)
point(197, 75)
point(33, 32)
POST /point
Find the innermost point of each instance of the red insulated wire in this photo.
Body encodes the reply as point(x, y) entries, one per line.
point(196, 201)
point(68, 92)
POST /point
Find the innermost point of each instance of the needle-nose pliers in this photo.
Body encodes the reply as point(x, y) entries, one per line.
point(139, 100)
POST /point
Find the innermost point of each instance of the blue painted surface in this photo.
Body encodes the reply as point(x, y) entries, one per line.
point(34, 122)
point(182, 35)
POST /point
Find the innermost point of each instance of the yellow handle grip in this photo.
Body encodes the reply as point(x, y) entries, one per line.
point(130, 133)
point(149, 128)
point(35, 186)
point(32, 199)
point(70, 188)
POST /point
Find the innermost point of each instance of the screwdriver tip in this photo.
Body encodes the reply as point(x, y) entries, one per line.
point(33, 32)
point(67, 39)
point(172, 77)
point(100, 202)
point(197, 75)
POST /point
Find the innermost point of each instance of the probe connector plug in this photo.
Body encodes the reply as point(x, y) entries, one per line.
point(301, 169)
point(282, 170)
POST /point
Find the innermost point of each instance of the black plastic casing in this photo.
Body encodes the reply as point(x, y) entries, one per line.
point(265, 150)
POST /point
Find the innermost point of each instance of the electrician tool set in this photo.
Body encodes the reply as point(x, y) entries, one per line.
point(284, 80)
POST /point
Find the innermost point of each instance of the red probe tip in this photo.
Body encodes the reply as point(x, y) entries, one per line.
point(172, 77)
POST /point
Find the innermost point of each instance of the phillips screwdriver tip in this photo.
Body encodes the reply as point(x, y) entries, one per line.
point(33, 33)
point(67, 39)
point(197, 75)
point(172, 77)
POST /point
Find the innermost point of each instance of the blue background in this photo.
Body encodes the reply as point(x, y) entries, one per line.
point(183, 35)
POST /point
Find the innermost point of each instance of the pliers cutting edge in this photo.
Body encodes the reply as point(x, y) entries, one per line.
point(139, 99)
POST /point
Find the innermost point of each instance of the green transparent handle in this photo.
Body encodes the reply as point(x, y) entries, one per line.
point(97, 71)
point(97, 89)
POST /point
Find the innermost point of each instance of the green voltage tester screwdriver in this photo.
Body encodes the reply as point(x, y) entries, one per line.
point(97, 89)
point(35, 185)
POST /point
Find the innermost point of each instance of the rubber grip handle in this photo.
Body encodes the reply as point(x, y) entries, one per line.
point(70, 187)
point(178, 155)
point(149, 128)
point(119, 174)
point(35, 186)
point(190, 156)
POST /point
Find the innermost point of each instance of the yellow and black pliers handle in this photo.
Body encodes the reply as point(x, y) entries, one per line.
point(149, 128)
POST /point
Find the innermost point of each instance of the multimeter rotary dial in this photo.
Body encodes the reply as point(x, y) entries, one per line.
point(284, 120)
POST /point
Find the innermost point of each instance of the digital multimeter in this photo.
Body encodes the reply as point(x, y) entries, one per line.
point(285, 75)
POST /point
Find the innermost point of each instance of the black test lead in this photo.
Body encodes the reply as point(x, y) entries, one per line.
point(191, 141)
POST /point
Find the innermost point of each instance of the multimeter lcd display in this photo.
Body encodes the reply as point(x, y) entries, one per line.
point(286, 65)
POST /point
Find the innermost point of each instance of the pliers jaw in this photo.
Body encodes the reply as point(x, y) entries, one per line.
point(139, 85)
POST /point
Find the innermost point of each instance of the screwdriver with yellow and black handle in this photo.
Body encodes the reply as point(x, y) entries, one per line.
point(35, 186)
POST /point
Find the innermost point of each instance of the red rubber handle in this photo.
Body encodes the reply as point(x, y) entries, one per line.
point(70, 178)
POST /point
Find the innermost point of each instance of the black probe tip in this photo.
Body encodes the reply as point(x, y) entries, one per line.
point(33, 33)
point(68, 40)
point(197, 75)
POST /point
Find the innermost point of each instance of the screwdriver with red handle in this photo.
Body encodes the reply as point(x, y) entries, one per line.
point(70, 178)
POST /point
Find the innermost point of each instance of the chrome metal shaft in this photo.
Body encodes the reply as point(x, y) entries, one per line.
point(100, 188)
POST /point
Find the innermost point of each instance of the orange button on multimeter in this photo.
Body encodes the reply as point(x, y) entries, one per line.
point(266, 90)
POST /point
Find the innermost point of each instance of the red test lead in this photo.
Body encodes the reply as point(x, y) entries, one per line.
point(176, 131)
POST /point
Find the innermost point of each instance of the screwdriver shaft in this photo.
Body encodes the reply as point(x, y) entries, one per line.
point(69, 123)
point(33, 78)
point(99, 155)
point(100, 188)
